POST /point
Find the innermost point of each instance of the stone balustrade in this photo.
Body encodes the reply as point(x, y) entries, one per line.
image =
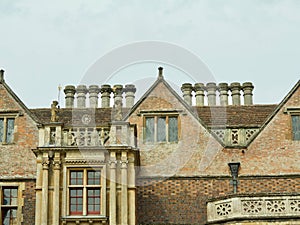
point(253, 208)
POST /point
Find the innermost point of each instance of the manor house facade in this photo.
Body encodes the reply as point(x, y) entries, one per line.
point(207, 156)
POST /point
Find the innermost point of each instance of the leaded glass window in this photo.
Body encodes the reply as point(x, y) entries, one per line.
point(173, 129)
point(161, 129)
point(9, 205)
point(296, 127)
point(149, 127)
point(6, 129)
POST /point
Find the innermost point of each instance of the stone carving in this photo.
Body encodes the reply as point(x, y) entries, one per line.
point(54, 111)
point(86, 119)
point(86, 137)
point(295, 205)
point(235, 136)
point(276, 206)
point(224, 209)
point(220, 134)
point(249, 133)
point(252, 206)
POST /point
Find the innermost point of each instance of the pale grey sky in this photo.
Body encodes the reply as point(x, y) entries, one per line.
point(47, 43)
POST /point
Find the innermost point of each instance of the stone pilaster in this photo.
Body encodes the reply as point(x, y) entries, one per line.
point(56, 175)
point(187, 89)
point(81, 96)
point(211, 93)
point(69, 98)
point(105, 95)
point(124, 193)
point(199, 89)
point(131, 191)
point(93, 95)
point(112, 193)
point(44, 210)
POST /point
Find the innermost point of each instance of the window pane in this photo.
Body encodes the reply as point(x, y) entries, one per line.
point(296, 127)
point(10, 196)
point(10, 130)
point(94, 177)
point(161, 129)
point(1, 129)
point(173, 129)
point(76, 177)
point(9, 216)
point(93, 201)
point(149, 129)
point(76, 201)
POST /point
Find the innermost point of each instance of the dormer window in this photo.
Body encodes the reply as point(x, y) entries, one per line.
point(161, 128)
point(7, 125)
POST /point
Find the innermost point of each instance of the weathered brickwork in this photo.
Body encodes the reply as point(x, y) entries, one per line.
point(183, 200)
point(29, 203)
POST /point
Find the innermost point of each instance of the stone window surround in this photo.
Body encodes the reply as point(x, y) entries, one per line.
point(21, 187)
point(66, 196)
point(8, 115)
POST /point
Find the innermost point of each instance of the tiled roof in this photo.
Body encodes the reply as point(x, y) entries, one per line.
point(234, 116)
point(229, 116)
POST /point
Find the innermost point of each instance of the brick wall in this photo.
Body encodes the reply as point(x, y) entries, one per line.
point(29, 203)
point(183, 200)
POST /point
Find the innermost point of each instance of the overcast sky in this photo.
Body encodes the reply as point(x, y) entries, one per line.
point(47, 43)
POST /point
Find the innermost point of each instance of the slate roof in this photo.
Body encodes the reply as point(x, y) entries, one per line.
point(215, 116)
point(234, 116)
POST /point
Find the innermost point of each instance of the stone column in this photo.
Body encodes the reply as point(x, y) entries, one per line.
point(44, 211)
point(118, 91)
point(235, 93)
point(69, 92)
point(112, 193)
point(187, 89)
point(93, 95)
point(223, 89)
point(124, 194)
point(199, 89)
point(129, 95)
point(211, 93)
point(81, 96)
point(56, 174)
point(105, 95)
point(38, 193)
point(247, 89)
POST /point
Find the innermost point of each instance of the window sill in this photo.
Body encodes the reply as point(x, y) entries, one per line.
point(88, 218)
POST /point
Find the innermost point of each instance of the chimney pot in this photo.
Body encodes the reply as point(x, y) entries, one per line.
point(187, 89)
point(105, 95)
point(69, 96)
point(211, 93)
point(81, 96)
point(118, 91)
point(199, 89)
point(223, 90)
point(129, 95)
point(93, 95)
point(247, 89)
point(235, 93)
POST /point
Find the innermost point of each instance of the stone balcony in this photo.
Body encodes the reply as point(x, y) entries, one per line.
point(253, 208)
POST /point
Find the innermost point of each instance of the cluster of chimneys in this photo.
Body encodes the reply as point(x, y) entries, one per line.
point(210, 90)
point(93, 95)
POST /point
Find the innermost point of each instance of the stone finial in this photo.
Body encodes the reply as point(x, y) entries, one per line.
point(247, 89)
point(129, 95)
point(105, 95)
point(199, 89)
point(223, 90)
point(211, 93)
point(187, 89)
point(54, 111)
point(69, 92)
point(81, 96)
point(235, 93)
point(118, 91)
point(93, 95)
point(160, 72)
point(1, 76)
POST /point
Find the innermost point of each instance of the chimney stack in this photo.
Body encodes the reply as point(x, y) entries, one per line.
point(105, 95)
point(118, 91)
point(93, 95)
point(248, 88)
point(211, 93)
point(1, 76)
point(235, 93)
point(187, 89)
point(199, 89)
point(223, 90)
point(129, 95)
point(81, 96)
point(69, 96)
